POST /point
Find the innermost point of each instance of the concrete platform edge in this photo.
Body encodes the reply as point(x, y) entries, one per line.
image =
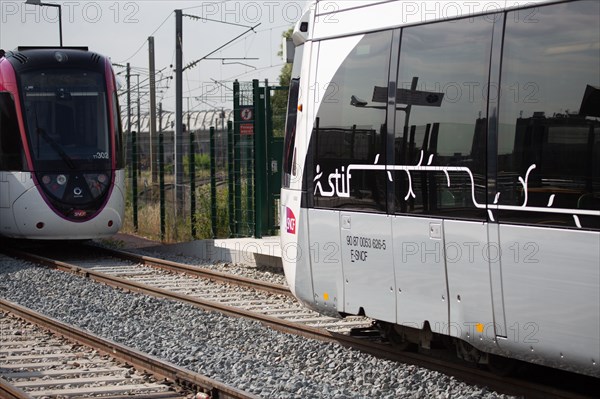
point(247, 251)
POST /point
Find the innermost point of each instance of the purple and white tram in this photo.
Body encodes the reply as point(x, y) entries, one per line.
point(61, 146)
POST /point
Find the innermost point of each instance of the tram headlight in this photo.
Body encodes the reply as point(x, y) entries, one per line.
point(54, 185)
point(97, 183)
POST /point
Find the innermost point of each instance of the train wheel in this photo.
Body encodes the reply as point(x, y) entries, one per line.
point(502, 366)
point(398, 339)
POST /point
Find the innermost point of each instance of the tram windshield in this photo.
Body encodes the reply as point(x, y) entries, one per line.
point(66, 118)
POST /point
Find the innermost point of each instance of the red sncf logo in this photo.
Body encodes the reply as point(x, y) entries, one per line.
point(290, 222)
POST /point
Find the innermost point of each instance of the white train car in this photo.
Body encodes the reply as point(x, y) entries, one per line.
point(61, 147)
point(442, 174)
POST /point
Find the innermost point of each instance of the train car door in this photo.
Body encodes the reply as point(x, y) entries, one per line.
point(469, 258)
point(420, 273)
point(367, 255)
point(418, 241)
point(323, 252)
point(347, 177)
point(548, 201)
point(440, 173)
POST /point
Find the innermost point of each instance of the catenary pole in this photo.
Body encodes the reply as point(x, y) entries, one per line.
point(179, 206)
point(152, 126)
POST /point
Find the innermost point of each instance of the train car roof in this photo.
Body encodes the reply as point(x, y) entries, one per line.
point(24, 58)
point(347, 17)
point(28, 48)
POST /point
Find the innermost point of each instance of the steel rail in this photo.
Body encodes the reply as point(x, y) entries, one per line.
point(133, 286)
point(197, 271)
point(8, 391)
point(136, 358)
point(463, 372)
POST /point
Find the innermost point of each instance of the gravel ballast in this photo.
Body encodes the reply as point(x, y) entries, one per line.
point(238, 352)
point(263, 273)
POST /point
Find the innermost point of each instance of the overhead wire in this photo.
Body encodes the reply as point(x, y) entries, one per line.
point(253, 71)
point(166, 88)
point(152, 34)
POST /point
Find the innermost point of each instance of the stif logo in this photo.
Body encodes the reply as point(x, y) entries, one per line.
point(290, 221)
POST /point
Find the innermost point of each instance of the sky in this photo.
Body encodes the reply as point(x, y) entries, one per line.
point(120, 29)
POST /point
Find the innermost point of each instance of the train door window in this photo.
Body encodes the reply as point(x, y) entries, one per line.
point(549, 119)
point(350, 128)
point(441, 118)
point(11, 149)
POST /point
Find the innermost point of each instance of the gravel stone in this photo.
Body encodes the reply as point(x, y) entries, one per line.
point(263, 273)
point(238, 352)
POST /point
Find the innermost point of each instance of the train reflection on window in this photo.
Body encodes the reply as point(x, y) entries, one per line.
point(549, 120)
point(449, 61)
point(351, 129)
point(457, 152)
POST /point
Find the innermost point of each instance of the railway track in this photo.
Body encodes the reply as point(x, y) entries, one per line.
point(269, 303)
point(244, 298)
point(43, 358)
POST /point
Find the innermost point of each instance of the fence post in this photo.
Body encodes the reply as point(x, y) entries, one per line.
point(260, 159)
point(269, 172)
point(161, 179)
point(249, 185)
point(213, 183)
point(134, 181)
point(192, 184)
point(230, 178)
point(237, 158)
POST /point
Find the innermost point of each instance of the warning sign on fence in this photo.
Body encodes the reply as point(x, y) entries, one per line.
point(246, 129)
point(246, 114)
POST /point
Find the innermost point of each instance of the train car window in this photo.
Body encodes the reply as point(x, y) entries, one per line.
point(290, 168)
point(11, 148)
point(549, 120)
point(441, 118)
point(347, 154)
point(66, 118)
point(290, 132)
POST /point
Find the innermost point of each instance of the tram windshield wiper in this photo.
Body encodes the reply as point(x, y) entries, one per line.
point(56, 147)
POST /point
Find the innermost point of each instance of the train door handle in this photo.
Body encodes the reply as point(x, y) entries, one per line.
point(435, 231)
point(346, 224)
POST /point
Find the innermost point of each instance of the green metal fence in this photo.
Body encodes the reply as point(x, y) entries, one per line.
point(231, 172)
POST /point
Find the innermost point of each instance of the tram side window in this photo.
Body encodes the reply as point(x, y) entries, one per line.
point(549, 120)
point(290, 168)
point(10, 139)
point(290, 132)
point(440, 130)
point(350, 127)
